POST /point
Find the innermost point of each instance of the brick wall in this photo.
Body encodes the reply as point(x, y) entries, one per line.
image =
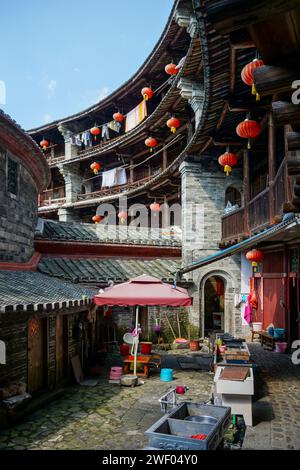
point(18, 213)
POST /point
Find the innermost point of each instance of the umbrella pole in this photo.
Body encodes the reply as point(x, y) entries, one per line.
point(137, 340)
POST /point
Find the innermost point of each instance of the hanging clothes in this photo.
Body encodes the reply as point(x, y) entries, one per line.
point(108, 178)
point(105, 132)
point(136, 116)
point(114, 177)
point(121, 176)
point(115, 126)
point(248, 311)
point(87, 139)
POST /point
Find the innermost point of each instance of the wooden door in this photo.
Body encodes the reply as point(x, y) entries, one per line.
point(274, 303)
point(37, 357)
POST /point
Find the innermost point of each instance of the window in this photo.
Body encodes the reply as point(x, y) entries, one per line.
point(12, 176)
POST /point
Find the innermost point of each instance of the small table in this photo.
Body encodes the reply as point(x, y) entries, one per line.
point(267, 341)
point(145, 360)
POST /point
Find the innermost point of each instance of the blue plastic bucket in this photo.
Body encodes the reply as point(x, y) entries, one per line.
point(166, 375)
point(278, 333)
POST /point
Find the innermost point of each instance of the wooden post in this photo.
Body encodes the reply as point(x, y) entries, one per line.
point(246, 190)
point(131, 177)
point(165, 159)
point(271, 164)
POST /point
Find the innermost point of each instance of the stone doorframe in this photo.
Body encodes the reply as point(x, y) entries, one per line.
point(229, 310)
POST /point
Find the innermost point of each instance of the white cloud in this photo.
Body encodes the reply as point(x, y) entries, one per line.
point(51, 86)
point(47, 118)
point(92, 97)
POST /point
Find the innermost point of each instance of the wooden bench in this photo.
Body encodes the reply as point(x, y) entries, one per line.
point(267, 341)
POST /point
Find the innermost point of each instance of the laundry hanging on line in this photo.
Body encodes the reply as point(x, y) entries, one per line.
point(114, 177)
point(136, 116)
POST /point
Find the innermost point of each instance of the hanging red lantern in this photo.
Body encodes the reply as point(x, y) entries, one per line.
point(44, 144)
point(95, 131)
point(95, 167)
point(122, 216)
point(248, 129)
point(171, 69)
point(247, 75)
point(255, 256)
point(147, 93)
point(173, 124)
point(151, 142)
point(118, 117)
point(97, 219)
point(155, 207)
point(228, 160)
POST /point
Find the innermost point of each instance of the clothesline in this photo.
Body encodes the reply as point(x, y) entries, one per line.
point(163, 85)
point(128, 166)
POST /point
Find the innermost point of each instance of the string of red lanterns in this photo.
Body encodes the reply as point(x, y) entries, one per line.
point(255, 257)
point(228, 160)
point(173, 123)
point(44, 144)
point(95, 167)
point(247, 75)
point(248, 129)
point(147, 93)
point(171, 69)
point(122, 216)
point(151, 142)
point(155, 208)
point(97, 219)
point(118, 117)
point(95, 131)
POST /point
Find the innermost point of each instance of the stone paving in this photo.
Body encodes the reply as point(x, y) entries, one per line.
point(110, 417)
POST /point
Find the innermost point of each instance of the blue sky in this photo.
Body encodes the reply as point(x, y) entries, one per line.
point(61, 56)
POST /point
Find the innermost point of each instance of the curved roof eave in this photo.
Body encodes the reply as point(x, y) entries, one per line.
point(113, 95)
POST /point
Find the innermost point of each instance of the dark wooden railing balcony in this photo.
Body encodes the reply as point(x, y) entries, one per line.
point(259, 213)
point(55, 197)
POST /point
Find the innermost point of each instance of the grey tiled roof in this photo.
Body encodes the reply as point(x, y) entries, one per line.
point(104, 270)
point(53, 230)
point(24, 290)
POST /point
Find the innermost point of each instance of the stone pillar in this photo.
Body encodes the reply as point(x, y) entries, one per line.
point(203, 201)
point(71, 151)
point(194, 93)
point(68, 215)
point(73, 181)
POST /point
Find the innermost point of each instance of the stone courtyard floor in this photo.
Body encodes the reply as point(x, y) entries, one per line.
point(109, 417)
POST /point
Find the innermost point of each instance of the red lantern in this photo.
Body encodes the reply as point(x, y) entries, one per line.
point(97, 219)
point(248, 129)
point(95, 167)
point(228, 160)
point(44, 144)
point(255, 256)
point(155, 207)
point(171, 69)
point(118, 117)
point(122, 216)
point(151, 142)
point(147, 93)
point(95, 131)
point(247, 75)
point(173, 124)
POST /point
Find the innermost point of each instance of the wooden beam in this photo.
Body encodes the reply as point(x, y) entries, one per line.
point(286, 112)
point(232, 15)
point(293, 165)
point(271, 163)
point(293, 140)
point(271, 79)
point(241, 40)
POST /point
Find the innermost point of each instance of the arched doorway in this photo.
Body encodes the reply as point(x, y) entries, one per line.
point(214, 305)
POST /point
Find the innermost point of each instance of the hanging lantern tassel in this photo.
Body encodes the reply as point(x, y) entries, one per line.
point(227, 169)
point(249, 144)
point(173, 129)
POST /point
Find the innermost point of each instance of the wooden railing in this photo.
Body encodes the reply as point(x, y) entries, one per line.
point(259, 210)
point(233, 224)
point(55, 196)
point(279, 189)
point(114, 190)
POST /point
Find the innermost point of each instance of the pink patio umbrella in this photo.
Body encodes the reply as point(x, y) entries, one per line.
point(143, 291)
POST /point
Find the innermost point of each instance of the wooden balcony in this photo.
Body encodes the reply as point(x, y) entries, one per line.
point(52, 197)
point(259, 213)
